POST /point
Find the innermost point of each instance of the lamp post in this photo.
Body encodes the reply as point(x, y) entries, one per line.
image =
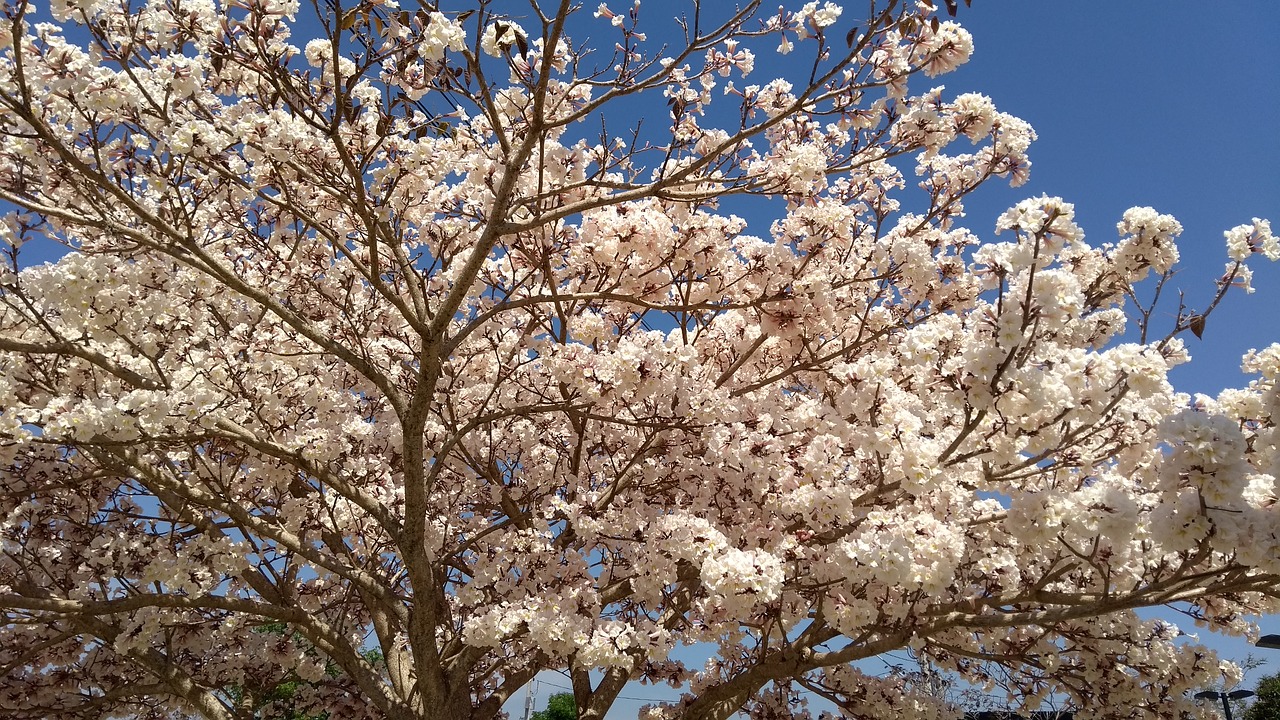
point(1225, 697)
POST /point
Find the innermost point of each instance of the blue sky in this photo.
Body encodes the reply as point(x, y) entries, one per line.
point(1172, 105)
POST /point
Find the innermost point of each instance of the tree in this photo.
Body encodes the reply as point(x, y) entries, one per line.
point(1266, 706)
point(559, 707)
point(378, 327)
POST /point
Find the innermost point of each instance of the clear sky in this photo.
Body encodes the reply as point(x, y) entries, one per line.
point(1172, 105)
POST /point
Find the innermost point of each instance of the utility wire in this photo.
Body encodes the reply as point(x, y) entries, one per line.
point(620, 697)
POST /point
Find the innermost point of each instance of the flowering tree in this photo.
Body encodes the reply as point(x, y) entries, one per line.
point(393, 362)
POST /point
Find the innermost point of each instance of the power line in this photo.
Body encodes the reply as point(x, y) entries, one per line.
point(619, 697)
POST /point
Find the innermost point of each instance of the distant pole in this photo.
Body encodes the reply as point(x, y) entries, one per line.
point(528, 700)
